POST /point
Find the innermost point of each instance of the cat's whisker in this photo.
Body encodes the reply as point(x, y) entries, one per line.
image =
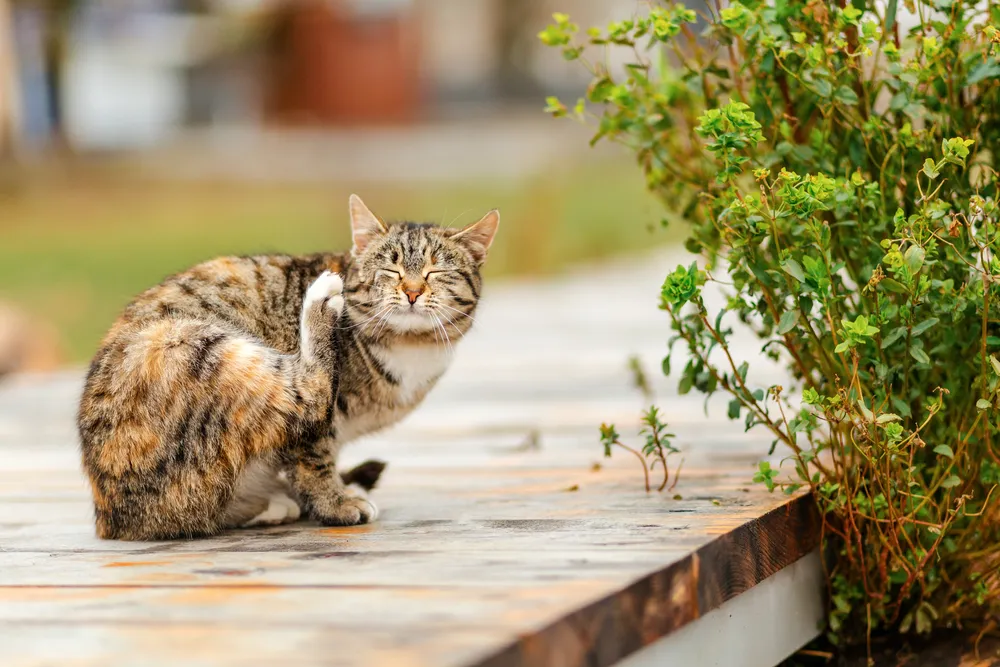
point(438, 326)
point(451, 322)
point(444, 333)
point(376, 328)
point(444, 305)
point(381, 312)
point(456, 217)
point(364, 303)
point(436, 336)
point(374, 320)
point(373, 317)
point(384, 322)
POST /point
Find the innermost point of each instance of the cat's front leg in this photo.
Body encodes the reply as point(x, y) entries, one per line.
point(311, 463)
point(321, 489)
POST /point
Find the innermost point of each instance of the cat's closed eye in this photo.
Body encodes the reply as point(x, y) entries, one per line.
point(388, 273)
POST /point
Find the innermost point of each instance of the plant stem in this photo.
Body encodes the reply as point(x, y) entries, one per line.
point(642, 461)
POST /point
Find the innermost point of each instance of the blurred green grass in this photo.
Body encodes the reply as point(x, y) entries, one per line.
point(74, 253)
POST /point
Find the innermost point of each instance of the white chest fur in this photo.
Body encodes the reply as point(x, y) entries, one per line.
point(416, 367)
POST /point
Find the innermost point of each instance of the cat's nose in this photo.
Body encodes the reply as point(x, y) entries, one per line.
point(412, 294)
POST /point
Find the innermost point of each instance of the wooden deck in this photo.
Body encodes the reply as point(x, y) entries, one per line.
point(500, 541)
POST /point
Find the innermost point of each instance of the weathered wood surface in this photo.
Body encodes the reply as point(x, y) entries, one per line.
point(499, 543)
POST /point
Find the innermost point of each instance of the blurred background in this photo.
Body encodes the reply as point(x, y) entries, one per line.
point(140, 137)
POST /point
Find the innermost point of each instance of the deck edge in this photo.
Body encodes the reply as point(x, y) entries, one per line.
point(606, 631)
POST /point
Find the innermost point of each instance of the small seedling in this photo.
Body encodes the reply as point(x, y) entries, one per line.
point(656, 450)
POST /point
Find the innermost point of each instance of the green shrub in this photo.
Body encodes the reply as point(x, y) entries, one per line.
point(838, 169)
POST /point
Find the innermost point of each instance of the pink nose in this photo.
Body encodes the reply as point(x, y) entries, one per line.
point(412, 294)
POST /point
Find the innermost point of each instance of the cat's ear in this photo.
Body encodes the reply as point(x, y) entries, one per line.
point(365, 225)
point(478, 236)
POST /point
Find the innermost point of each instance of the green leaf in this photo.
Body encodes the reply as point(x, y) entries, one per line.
point(893, 286)
point(951, 482)
point(983, 404)
point(851, 13)
point(924, 326)
point(995, 364)
point(944, 450)
point(788, 321)
point(794, 269)
point(887, 417)
point(914, 258)
point(735, 17)
point(893, 336)
point(734, 409)
point(988, 69)
point(907, 622)
point(890, 14)
point(846, 96)
point(554, 107)
point(600, 89)
point(843, 347)
point(919, 354)
point(930, 169)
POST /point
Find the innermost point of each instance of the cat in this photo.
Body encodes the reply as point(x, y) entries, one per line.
point(221, 397)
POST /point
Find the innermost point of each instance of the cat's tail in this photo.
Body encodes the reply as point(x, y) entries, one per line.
point(365, 475)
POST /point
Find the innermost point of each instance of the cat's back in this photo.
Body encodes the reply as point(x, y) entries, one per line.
point(259, 295)
point(218, 321)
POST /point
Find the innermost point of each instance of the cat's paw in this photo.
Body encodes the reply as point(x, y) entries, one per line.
point(280, 509)
point(352, 511)
point(327, 290)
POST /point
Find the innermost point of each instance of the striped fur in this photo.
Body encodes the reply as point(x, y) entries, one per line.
point(238, 381)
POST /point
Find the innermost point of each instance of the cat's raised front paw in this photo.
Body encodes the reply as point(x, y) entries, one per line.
point(353, 510)
point(328, 290)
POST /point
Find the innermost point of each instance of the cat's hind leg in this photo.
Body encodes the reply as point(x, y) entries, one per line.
point(280, 509)
point(261, 498)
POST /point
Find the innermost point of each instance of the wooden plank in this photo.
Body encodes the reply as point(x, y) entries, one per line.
point(501, 555)
point(666, 600)
point(60, 644)
point(500, 542)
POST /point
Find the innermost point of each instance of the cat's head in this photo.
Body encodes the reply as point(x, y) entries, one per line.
point(416, 278)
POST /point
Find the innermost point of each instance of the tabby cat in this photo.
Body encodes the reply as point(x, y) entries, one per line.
point(221, 397)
